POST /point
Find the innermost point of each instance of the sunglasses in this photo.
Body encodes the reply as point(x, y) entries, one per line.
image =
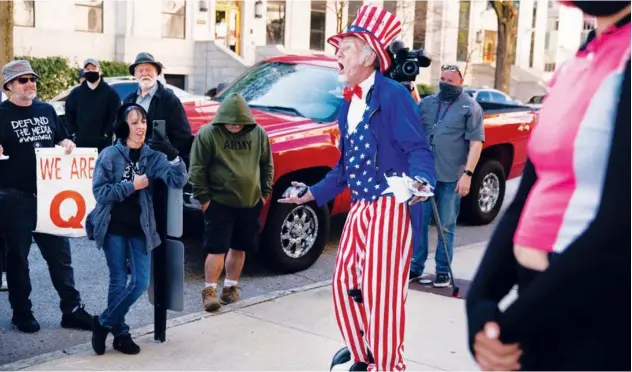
point(454, 68)
point(24, 80)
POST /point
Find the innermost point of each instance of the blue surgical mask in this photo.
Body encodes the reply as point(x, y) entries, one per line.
point(448, 92)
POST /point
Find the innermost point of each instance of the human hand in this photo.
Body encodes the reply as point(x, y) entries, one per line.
point(493, 355)
point(161, 143)
point(68, 145)
point(463, 186)
point(205, 206)
point(417, 198)
point(1, 150)
point(140, 181)
point(263, 200)
point(294, 199)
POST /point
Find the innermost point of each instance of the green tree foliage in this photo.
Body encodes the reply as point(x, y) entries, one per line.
point(57, 74)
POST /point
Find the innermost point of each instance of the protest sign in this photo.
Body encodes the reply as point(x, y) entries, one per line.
point(64, 190)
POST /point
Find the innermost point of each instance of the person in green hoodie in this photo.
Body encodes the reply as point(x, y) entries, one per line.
point(231, 173)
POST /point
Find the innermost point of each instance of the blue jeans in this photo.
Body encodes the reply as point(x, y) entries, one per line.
point(448, 204)
point(122, 295)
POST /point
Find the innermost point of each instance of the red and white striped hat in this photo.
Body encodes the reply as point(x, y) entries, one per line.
point(377, 27)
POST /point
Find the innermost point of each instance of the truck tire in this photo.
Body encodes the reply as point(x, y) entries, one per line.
point(295, 236)
point(486, 196)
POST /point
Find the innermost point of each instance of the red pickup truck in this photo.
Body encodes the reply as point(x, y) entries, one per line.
point(297, 99)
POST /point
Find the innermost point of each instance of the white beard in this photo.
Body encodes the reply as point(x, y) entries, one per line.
point(29, 96)
point(144, 84)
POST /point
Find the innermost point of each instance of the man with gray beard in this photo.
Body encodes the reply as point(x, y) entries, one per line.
point(25, 125)
point(160, 104)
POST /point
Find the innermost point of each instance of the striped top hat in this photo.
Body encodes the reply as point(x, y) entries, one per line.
point(377, 27)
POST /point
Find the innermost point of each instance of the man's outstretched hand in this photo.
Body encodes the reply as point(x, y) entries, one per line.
point(293, 199)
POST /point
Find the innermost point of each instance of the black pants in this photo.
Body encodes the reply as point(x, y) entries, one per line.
point(18, 218)
point(3, 255)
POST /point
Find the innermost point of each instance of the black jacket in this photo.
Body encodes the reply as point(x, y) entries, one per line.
point(165, 105)
point(575, 315)
point(90, 114)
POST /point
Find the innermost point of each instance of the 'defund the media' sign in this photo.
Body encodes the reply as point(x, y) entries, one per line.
point(64, 190)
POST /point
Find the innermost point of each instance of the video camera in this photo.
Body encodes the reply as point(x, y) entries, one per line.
point(405, 63)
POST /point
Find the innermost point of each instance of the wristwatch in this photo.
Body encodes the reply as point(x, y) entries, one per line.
point(468, 172)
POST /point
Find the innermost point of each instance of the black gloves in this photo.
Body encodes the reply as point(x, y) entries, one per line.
point(161, 143)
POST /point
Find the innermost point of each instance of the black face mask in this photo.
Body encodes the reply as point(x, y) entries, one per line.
point(600, 8)
point(448, 92)
point(92, 76)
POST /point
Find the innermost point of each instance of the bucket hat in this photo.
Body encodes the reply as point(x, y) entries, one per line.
point(15, 69)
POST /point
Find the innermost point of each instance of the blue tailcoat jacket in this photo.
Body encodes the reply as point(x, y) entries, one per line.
point(402, 143)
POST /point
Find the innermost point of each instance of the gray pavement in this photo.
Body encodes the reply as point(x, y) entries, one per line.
point(91, 278)
point(290, 331)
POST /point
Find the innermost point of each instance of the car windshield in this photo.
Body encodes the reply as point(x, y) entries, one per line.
point(297, 89)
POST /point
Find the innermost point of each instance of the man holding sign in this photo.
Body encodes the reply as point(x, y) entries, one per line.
point(25, 125)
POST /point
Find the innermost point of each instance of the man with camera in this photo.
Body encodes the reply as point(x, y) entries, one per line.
point(454, 123)
point(381, 135)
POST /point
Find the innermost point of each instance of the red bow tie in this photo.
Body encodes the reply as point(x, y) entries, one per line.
point(349, 92)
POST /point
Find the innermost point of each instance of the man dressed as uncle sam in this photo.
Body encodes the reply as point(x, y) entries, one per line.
point(381, 136)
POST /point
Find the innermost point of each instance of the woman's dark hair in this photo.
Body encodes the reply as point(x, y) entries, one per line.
point(121, 128)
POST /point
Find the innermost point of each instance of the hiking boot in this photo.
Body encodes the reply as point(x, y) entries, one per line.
point(441, 281)
point(125, 344)
point(25, 322)
point(99, 335)
point(209, 299)
point(78, 319)
point(229, 295)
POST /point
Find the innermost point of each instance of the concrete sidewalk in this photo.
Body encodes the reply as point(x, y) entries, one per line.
point(294, 331)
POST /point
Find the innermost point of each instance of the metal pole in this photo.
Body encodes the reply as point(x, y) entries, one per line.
point(435, 211)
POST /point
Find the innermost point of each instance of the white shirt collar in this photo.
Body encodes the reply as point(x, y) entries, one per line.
point(367, 84)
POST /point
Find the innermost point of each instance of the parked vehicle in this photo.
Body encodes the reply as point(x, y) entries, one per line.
point(486, 94)
point(297, 100)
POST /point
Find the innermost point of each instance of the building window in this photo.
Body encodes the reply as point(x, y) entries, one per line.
point(419, 25)
point(89, 16)
point(352, 12)
point(533, 23)
point(462, 43)
point(174, 19)
point(589, 25)
point(317, 25)
point(390, 6)
point(275, 23)
point(24, 13)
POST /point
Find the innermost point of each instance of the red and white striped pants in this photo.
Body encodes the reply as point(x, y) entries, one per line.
point(374, 256)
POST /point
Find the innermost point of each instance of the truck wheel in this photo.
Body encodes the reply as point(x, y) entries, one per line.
point(483, 203)
point(295, 236)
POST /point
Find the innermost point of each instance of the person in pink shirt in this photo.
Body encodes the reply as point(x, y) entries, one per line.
point(565, 238)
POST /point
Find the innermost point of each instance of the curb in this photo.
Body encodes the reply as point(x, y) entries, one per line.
point(175, 322)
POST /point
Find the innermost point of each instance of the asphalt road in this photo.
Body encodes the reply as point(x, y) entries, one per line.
point(91, 279)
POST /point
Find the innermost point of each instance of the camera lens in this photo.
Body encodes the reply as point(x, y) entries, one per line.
point(410, 68)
